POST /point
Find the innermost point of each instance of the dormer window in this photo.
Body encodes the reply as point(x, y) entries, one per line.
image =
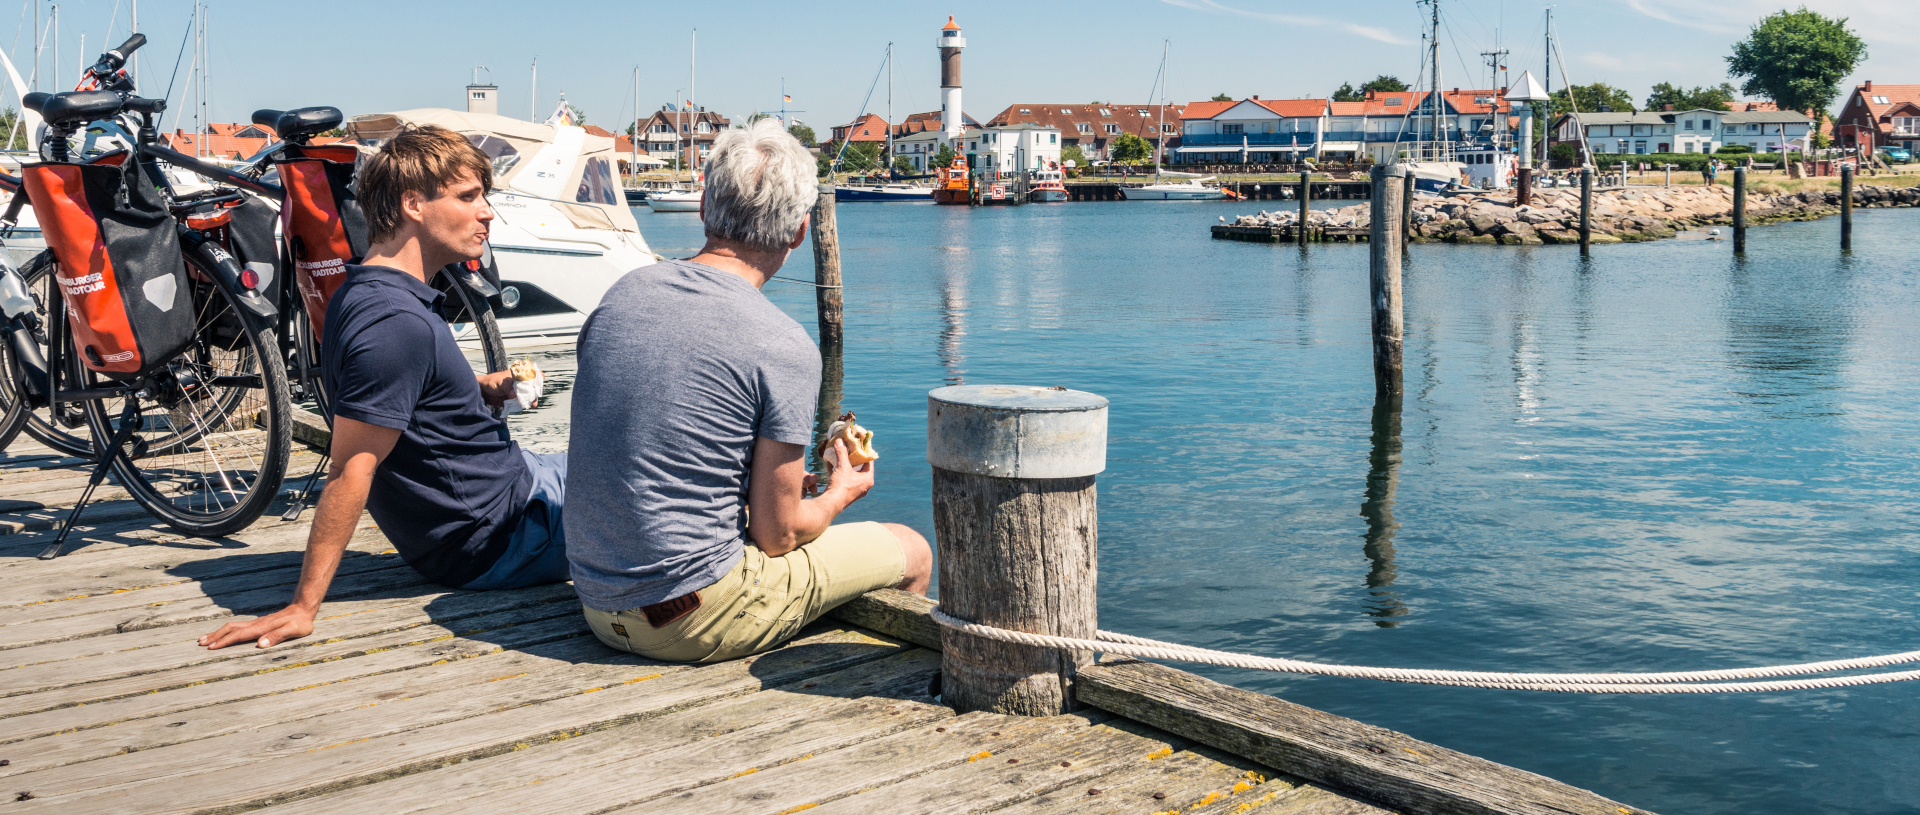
point(1113, 128)
point(1083, 127)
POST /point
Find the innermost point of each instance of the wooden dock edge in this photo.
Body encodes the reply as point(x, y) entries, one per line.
point(1389, 768)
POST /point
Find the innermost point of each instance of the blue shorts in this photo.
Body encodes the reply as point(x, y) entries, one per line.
point(537, 553)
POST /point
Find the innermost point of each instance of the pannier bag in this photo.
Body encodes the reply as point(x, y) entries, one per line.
point(322, 222)
point(120, 271)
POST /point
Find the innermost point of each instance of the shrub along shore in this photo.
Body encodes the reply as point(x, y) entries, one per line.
point(1633, 214)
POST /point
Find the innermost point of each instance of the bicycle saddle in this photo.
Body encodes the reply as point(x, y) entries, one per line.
point(299, 124)
point(74, 107)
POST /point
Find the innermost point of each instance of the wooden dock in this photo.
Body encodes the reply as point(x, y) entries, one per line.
point(411, 697)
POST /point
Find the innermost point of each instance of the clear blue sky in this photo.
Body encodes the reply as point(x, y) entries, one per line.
point(372, 56)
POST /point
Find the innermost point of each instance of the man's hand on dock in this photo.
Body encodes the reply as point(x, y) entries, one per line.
point(290, 623)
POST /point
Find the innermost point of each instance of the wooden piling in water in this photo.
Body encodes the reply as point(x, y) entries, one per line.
point(1586, 211)
point(1014, 512)
point(1383, 280)
point(1739, 210)
point(1406, 212)
point(826, 268)
point(1846, 207)
point(1306, 195)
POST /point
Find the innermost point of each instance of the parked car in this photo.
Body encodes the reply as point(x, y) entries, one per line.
point(1896, 155)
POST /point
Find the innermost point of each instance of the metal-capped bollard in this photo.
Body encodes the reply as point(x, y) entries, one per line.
point(1014, 514)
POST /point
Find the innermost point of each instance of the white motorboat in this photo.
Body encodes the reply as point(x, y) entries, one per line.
point(1174, 191)
point(675, 201)
point(562, 233)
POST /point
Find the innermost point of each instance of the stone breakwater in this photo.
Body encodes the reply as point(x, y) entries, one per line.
point(1633, 214)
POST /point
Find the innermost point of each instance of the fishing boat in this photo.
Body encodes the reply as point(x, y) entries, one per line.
point(952, 184)
point(1047, 186)
point(562, 233)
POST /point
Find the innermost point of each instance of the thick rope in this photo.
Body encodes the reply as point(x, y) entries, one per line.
point(1674, 682)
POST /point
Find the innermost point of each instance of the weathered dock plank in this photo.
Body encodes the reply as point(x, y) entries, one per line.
point(1397, 770)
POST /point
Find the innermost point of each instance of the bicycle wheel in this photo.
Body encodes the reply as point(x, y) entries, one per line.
point(472, 320)
point(215, 425)
point(64, 431)
point(304, 364)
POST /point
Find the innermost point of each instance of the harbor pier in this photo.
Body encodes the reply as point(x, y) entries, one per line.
point(411, 697)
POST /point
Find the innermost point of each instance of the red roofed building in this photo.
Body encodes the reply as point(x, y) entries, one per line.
point(868, 128)
point(1877, 116)
point(1392, 119)
point(227, 141)
point(1092, 128)
point(1252, 130)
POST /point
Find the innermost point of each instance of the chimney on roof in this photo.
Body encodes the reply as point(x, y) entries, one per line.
point(1667, 107)
point(1867, 85)
point(1256, 97)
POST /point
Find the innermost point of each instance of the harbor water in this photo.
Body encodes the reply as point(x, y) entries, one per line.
point(1663, 458)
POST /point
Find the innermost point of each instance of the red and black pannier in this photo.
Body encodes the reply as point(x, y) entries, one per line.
point(119, 265)
point(322, 222)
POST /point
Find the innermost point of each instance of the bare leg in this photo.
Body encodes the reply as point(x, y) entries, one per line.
point(919, 571)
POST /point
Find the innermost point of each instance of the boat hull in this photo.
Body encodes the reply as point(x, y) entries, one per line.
point(1047, 196)
point(881, 194)
point(951, 197)
point(669, 203)
point(1148, 194)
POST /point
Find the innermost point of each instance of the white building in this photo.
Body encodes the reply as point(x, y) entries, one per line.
point(1253, 130)
point(1687, 131)
point(919, 148)
point(1011, 148)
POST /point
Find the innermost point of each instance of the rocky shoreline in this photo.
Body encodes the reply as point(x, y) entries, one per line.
point(1632, 214)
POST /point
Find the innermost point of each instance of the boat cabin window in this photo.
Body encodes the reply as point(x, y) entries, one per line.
point(499, 152)
point(596, 183)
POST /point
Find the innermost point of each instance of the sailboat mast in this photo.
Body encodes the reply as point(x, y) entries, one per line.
point(888, 158)
point(1160, 122)
point(1546, 132)
point(693, 81)
point(56, 46)
point(1434, 101)
point(633, 139)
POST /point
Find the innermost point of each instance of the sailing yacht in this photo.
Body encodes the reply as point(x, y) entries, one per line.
point(882, 191)
point(1191, 190)
point(562, 233)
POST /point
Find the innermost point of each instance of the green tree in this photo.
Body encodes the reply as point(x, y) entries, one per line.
point(1384, 84)
point(1702, 98)
point(1072, 153)
point(1131, 149)
point(1591, 97)
point(1221, 97)
point(1819, 139)
point(904, 166)
point(1797, 59)
point(1346, 93)
point(803, 133)
point(944, 157)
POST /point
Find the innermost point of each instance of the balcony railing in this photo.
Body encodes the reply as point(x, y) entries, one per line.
point(1252, 139)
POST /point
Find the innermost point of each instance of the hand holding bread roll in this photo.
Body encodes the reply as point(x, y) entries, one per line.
point(528, 382)
point(858, 440)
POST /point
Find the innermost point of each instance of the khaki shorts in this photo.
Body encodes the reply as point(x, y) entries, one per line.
point(764, 600)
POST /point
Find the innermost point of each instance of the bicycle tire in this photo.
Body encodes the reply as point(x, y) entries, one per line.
point(40, 423)
point(467, 307)
point(162, 479)
point(13, 421)
point(306, 359)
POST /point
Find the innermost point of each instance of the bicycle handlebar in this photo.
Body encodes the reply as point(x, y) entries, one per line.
point(118, 56)
point(214, 171)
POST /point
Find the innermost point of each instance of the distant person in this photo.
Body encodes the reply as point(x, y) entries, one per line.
point(691, 530)
point(413, 441)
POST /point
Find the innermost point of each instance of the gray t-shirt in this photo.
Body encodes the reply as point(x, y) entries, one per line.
point(681, 367)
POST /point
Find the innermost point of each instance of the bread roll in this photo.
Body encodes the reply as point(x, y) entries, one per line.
point(859, 441)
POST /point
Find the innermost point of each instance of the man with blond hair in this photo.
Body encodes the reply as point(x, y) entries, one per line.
point(413, 441)
point(692, 534)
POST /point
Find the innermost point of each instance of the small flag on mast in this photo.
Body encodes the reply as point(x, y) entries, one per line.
point(786, 98)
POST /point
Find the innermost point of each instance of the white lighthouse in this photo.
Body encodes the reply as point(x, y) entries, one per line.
point(952, 120)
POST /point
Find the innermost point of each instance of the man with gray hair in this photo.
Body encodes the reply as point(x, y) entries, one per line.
point(689, 524)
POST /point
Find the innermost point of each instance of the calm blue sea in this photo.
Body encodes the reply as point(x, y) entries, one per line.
point(1661, 458)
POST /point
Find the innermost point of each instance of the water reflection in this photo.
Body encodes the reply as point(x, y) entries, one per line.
point(1789, 331)
point(1383, 479)
point(953, 314)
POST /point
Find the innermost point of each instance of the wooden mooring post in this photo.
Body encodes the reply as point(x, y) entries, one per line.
point(826, 268)
point(1739, 210)
point(1383, 280)
point(1586, 210)
point(1306, 195)
point(1846, 207)
point(1406, 213)
point(1014, 512)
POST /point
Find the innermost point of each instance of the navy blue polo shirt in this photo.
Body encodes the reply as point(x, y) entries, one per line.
point(451, 493)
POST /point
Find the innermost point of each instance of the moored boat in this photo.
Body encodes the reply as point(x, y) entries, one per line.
point(1174, 191)
point(1047, 186)
point(881, 192)
point(951, 184)
point(675, 201)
